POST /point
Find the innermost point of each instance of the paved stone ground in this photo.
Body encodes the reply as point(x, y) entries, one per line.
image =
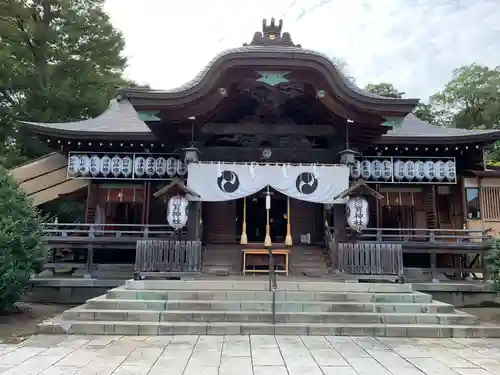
point(244, 355)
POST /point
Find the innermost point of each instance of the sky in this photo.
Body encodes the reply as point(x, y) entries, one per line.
point(413, 44)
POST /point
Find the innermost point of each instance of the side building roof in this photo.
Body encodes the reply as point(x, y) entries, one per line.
point(121, 122)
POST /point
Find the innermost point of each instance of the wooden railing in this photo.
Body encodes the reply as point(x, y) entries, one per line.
point(159, 258)
point(370, 259)
point(457, 253)
point(420, 235)
point(106, 230)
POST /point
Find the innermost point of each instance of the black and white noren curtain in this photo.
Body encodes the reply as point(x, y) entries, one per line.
point(217, 182)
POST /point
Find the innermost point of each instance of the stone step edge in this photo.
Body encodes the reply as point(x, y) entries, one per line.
point(309, 286)
point(229, 328)
point(329, 292)
point(433, 303)
point(255, 312)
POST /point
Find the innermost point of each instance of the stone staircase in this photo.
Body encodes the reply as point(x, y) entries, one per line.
point(243, 306)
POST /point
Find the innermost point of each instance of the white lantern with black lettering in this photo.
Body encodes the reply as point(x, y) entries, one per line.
point(357, 213)
point(116, 166)
point(105, 165)
point(127, 166)
point(429, 170)
point(355, 169)
point(419, 170)
point(450, 170)
point(139, 166)
point(439, 167)
point(181, 167)
point(399, 170)
point(177, 211)
point(73, 165)
point(95, 165)
point(84, 165)
point(409, 170)
point(387, 170)
point(161, 166)
point(366, 169)
point(376, 169)
point(171, 167)
point(150, 166)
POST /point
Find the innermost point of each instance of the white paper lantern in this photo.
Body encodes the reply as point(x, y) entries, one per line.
point(429, 170)
point(355, 169)
point(376, 169)
point(105, 165)
point(357, 213)
point(450, 171)
point(116, 166)
point(161, 166)
point(84, 165)
point(139, 166)
point(73, 165)
point(127, 166)
point(366, 169)
point(387, 170)
point(171, 167)
point(409, 170)
point(177, 211)
point(150, 166)
point(181, 167)
point(419, 170)
point(95, 165)
point(399, 170)
point(440, 170)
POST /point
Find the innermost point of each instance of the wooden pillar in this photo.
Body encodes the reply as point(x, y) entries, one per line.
point(146, 203)
point(339, 222)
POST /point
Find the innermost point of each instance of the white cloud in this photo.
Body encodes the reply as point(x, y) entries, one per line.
point(413, 44)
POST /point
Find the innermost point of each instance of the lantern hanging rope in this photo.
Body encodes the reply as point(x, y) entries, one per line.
point(244, 238)
point(267, 240)
point(288, 237)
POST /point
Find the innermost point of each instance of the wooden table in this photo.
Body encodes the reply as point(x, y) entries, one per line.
point(264, 253)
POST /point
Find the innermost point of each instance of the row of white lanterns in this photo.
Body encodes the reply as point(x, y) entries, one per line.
point(404, 170)
point(83, 165)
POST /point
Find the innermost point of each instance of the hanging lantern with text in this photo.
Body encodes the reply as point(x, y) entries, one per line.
point(177, 212)
point(357, 213)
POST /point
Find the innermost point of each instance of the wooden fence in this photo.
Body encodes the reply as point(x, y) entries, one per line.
point(167, 257)
point(370, 258)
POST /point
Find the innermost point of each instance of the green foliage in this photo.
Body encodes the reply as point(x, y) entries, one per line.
point(493, 263)
point(384, 89)
point(60, 60)
point(471, 100)
point(21, 248)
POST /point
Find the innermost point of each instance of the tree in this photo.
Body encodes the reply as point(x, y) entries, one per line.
point(384, 89)
point(60, 60)
point(425, 112)
point(21, 247)
point(471, 100)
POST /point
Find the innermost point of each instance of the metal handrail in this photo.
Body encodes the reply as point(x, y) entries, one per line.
point(273, 285)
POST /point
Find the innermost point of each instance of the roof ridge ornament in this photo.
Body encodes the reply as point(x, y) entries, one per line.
point(271, 35)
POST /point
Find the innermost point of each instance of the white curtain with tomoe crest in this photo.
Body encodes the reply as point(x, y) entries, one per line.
point(217, 182)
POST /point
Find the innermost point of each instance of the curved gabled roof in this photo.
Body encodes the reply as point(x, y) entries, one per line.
point(121, 121)
point(277, 57)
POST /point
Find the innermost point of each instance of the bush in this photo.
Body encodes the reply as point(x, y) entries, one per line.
point(21, 248)
point(493, 262)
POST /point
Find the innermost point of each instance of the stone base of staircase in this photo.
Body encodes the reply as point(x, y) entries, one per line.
point(240, 307)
